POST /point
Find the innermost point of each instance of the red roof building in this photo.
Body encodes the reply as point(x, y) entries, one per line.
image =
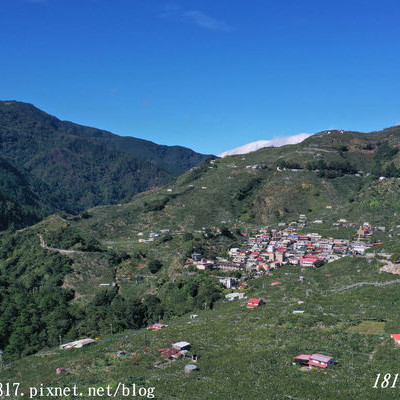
point(156, 327)
point(317, 360)
point(396, 337)
point(302, 359)
point(171, 352)
point(254, 303)
point(320, 360)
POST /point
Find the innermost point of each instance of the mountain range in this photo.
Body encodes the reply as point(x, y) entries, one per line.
point(62, 166)
point(117, 267)
point(329, 176)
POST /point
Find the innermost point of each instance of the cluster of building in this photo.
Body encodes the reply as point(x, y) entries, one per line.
point(152, 236)
point(267, 250)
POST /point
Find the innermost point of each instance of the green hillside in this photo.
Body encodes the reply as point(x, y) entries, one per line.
point(174, 159)
point(82, 166)
point(24, 200)
point(98, 274)
point(331, 175)
point(248, 354)
point(56, 279)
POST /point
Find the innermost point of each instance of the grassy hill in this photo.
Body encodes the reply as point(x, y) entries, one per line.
point(55, 270)
point(248, 354)
point(329, 176)
point(82, 166)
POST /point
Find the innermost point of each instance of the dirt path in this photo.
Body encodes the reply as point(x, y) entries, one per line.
point(360, 284)
point(61, 251)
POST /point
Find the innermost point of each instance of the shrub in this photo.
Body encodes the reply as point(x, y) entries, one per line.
point(155, 266)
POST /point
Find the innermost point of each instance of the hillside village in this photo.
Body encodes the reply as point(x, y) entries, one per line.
point(268, 249)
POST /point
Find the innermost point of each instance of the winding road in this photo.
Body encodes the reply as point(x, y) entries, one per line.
point(62, 251)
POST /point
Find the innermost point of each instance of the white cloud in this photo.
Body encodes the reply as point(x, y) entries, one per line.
point(173, 12)
point(276, 142)
point(205, 21)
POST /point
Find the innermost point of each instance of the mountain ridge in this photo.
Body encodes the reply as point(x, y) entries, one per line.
point(85, 166)
point(273, 184)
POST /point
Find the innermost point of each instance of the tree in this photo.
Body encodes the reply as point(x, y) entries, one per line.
point(237, 274)
point(135, 313)
point(188, 236)
point(153, 308)
point(226, 232)
point(395, 257)
point(155, 266)
point(319, 263)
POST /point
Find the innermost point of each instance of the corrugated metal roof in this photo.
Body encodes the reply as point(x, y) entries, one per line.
point(320, 358)
point(303, 357)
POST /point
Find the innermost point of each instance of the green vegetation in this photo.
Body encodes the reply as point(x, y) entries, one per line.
point(313, 178)
point(248, 354)
point(24, 199)
point(157, 204)
point(44, 294)
point(369, 327)
point(91, 275)
point(332, 169)
point(395, 257)
point(34, 305)
point(72, 167)
point(155, 266)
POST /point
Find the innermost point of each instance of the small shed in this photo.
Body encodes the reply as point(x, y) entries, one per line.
point(196, 256)
point(235, 295)
point(60, 370)
point(320, 360)
point(302, 359)
point(396, 337)
point(171, 352)
point(317, 360)
point(181, 345)
point(77, 344)
point(254, 303)
point(156, 327)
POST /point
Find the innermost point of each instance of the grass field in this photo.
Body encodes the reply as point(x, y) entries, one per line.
point(248, 353)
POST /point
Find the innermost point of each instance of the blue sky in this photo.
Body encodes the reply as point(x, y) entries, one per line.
point(206, 74)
